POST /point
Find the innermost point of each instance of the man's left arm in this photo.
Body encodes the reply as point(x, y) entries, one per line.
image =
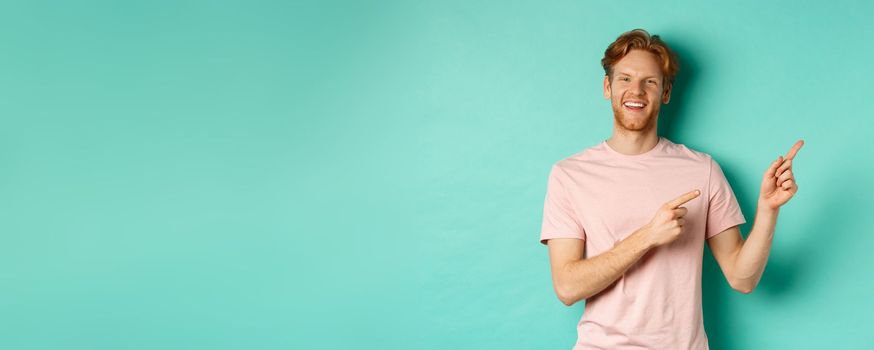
point(743, 262)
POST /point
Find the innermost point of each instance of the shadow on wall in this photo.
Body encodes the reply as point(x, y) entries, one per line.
point(785, 270)
point(787, 267)
point(683, 90)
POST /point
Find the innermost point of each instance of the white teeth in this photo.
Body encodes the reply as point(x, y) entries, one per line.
point(634, 104)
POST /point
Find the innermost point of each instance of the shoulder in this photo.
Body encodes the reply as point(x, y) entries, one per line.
point(579, 160)
point(683, 151)
point(706, 162)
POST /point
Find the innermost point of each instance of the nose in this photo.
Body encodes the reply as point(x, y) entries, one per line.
point(637, 89)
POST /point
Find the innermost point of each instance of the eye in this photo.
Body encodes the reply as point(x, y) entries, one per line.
point(651, 81)
point(624, 78)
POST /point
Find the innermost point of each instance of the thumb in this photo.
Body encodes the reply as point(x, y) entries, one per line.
point(772, 170)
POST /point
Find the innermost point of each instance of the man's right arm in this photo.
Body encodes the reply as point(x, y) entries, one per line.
point(575, 278)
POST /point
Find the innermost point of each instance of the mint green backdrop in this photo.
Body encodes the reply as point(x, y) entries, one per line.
point(371, 175)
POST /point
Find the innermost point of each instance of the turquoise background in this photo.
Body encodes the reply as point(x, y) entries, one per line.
point(331, 175)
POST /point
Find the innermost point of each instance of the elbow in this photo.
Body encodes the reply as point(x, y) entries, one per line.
point(566, 300)
point(569, 296)
point(745, 288)
point(566, 296)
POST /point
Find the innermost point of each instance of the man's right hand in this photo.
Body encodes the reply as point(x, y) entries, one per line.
point(667, 224)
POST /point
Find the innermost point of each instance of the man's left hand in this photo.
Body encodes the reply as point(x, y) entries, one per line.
point(778, 184)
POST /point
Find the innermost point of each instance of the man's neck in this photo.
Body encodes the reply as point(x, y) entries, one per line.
point(633, 143)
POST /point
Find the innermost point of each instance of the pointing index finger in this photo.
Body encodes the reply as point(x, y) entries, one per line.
point(794, 150)
point(676, 202)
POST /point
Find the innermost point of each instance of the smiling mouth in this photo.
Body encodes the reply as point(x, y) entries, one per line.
point(634, 105)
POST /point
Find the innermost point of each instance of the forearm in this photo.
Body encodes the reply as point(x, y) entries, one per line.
point(587, 277)
point(753, 255)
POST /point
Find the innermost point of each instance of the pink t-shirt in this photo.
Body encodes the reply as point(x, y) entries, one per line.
point(602, 196)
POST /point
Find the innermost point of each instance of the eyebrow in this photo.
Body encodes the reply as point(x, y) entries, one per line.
point(651, 76)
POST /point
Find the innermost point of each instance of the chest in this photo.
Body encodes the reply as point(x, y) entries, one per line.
point(613, 202)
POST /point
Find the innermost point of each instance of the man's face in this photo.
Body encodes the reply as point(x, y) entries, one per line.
point(637, 91)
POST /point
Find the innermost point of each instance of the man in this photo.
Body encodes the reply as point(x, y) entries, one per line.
point(626, 220)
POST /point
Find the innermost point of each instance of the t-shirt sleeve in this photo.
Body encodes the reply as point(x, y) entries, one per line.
point(559, 218)
point(724, 211)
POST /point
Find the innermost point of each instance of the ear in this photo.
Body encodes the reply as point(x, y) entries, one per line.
point(666, 97)
point(606, 87)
